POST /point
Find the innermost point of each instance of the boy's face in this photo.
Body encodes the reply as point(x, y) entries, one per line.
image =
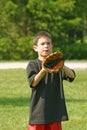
point(43, 47)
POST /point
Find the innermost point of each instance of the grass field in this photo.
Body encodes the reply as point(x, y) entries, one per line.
point(15, 99)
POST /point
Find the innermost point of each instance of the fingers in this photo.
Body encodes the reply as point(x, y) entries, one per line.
point(51, 70)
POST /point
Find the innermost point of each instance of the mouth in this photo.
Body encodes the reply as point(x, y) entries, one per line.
point(46, 50)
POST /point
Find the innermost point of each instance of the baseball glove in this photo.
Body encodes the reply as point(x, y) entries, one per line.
point(54, 61)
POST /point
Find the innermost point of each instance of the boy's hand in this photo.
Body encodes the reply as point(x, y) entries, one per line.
point(53, 62)
point(50, 70)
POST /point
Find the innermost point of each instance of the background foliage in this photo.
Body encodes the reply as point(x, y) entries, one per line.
point(20, 20)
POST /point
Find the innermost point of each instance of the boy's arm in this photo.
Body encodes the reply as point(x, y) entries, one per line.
point(69, 72)
point(38, 77)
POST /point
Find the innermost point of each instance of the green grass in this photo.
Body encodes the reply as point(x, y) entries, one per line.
point(76, 99)
point(15, 99)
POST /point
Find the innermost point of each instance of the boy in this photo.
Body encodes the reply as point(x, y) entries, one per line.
point(47, 107)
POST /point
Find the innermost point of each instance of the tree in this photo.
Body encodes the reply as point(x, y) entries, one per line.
point(66, 20)
point(81, 12)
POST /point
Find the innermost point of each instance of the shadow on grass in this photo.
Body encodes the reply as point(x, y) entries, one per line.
point(17, 101)
point(77, 100)
point(24, 101)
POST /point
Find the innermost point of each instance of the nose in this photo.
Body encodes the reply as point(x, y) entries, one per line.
point(46, 45)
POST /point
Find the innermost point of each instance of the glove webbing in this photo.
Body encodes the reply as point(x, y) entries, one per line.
point(52, 63)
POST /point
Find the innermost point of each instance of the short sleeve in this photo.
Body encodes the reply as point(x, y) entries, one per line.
point(65, 77)
point(31, 72)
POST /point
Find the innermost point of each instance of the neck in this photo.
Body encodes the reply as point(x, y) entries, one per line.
point(41, 58)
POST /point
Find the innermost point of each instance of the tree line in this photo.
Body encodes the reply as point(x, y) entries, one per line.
point(20, 20)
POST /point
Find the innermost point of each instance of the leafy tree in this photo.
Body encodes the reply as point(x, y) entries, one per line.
point(81, 12)
point(27, 17)
point(66, 20)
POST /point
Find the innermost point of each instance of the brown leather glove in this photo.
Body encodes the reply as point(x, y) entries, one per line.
point(54, 61)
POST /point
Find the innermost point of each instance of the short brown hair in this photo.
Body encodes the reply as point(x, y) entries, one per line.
point(41, 34)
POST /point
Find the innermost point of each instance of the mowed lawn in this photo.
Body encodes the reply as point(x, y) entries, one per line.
point(15, 99)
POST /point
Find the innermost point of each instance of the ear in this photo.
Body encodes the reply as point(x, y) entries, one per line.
point(35, 48)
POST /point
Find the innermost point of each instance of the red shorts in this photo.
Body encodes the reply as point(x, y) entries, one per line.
point(52, 126)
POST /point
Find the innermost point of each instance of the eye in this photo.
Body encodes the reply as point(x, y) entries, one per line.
point(42, 43)
point(48, 43)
